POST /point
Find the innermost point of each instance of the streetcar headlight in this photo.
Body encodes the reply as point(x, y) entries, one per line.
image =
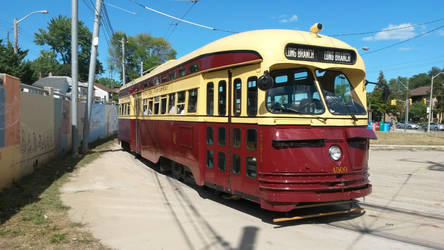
point(335, 152)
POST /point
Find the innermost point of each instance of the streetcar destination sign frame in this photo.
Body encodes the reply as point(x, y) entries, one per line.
point(319, 54)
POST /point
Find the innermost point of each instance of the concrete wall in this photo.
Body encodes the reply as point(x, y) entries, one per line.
point(35, 129)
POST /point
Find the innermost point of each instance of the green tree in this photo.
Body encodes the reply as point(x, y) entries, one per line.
point(417, 112)
point(46, 63)
point(14, 64)
point(108, 82)
point(58, 38)
point(152, 51)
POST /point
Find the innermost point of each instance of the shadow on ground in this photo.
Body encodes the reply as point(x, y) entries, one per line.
point(266, 216)
point(28, 189)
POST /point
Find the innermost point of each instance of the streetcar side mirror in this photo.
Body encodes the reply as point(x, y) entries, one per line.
point(265, 82)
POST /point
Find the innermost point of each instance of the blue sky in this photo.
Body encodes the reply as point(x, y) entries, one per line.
point(338, 17)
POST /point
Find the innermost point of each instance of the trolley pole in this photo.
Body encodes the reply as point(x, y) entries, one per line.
point(91, 75)
point(74, 75)
point(123, 61)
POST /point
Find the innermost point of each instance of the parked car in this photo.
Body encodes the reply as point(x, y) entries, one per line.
point(436, 126)
point(410, 125)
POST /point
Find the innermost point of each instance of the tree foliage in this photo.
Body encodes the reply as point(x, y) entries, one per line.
point(58, 38)
point(108, 82)
point(15, 64)
point(152, 51)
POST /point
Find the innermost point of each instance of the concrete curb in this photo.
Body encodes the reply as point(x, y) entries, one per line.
point(407, 147)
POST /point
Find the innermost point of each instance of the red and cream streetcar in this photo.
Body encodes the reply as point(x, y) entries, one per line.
point(277, 117)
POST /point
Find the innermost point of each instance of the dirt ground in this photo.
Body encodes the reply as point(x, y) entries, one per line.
point(127, 204)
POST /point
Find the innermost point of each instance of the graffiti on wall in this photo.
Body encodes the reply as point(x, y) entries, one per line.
point(35, 142)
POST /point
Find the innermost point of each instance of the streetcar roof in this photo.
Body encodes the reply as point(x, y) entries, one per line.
point(266, 42)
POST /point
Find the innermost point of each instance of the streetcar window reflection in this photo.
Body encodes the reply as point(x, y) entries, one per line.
point(209, 159)
point(252, 96)
point(192, 101)
point(251, 167)
point(221, 161)
point(236, 137)
point(181, 102)
point(171, 104)
point(237, 96)
point(251, 139)
point(222, 98)
point(236, 164)
point(210, 137)
point(221, 136)
point(210, 96)
point(163, 105)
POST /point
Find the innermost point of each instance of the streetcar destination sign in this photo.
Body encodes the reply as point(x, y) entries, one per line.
point(319, 54)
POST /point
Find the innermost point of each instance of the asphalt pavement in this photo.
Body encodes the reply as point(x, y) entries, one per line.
point(127, 204)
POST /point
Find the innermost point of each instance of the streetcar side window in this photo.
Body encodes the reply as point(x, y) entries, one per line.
point(173, 75)
point(210, 99)
point(209, 158)
point(171, 103)
point(181, 102)
point(145, 106)
point(182, 72)
point(251, 167)
point(221, 136)
point(210, 137)
point(221, 161)
point(194, 68)
point(222, 97)
point(192, 100)
point(163, 105)
point(252, 96)
point(236, 137)
point(150, 107)
point(164, 78)
point(237, 97)
point(236, 164)
point(251, 139)
point(156, 105)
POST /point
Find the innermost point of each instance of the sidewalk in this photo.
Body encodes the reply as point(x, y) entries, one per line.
point(407, 147)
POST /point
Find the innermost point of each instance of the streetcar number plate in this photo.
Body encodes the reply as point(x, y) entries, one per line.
point(340, 170)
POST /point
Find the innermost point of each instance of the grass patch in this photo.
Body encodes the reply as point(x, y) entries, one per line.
point(32, 214)
point(393, 138)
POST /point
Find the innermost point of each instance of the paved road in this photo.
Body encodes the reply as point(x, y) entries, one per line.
point(129, 205)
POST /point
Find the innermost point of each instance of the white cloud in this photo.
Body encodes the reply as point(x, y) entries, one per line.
point(284, 19)
point(441, 32)
point(394, 32)
point(404, 49)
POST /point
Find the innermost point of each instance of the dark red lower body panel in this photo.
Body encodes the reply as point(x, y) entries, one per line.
point(293, 163)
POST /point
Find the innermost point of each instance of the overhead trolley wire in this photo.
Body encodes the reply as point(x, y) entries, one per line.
point(386, 30)
point(404, 41)
point(183, 16)
point(182, 20)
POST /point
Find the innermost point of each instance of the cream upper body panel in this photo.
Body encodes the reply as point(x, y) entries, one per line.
point(270, 44)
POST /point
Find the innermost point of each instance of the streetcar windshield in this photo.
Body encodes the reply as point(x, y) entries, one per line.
point(339, 94)
point(294, 92)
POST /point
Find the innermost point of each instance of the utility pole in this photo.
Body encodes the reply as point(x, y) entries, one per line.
point(15, 36)
point(123, 61)
point(406, 106)
point(91, 74)
point(141, 68)
point(74, 75)
point(431, 100)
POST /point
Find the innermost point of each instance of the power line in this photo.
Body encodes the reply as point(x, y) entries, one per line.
point(183, 16)
point(385, 30)
point(404, 41)
point(180, 19)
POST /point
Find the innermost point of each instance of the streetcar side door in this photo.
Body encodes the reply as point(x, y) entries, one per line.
point(215, 150)
point(244, 133)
